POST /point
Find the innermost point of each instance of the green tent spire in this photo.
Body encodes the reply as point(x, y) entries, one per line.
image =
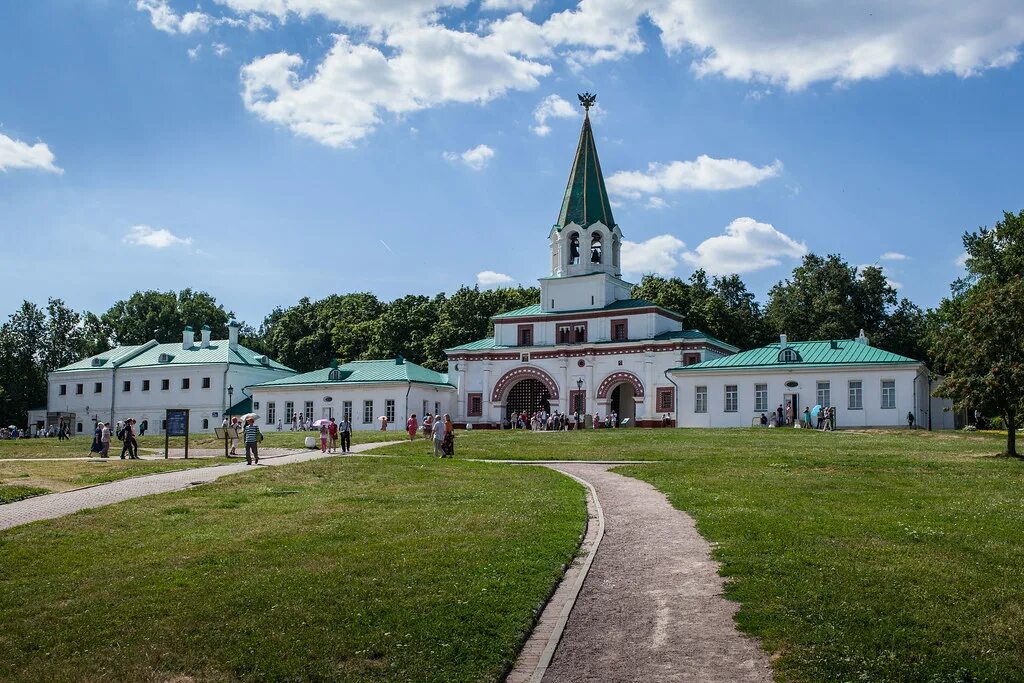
point(586, 200)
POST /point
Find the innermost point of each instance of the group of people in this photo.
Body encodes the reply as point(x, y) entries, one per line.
point(787, 417)
point(11, 432)
point(542, 421)
point(440, 430)
point(125, 431)
point(334, 431)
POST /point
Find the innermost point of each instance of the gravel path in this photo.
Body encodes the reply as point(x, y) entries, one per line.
point(60, 504)
point(652, 607)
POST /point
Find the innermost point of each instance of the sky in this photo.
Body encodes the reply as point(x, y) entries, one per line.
point(267, 150)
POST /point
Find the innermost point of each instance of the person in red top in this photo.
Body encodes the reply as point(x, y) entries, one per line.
point(412, 427)
point(332, 432)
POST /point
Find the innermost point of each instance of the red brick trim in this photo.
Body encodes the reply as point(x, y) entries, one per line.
point(617, 378)
point(519, 334)
point(478, 411)
point(528, 372)
point(597, 313)
point(659, 406)
point(582, 396)
point(625, 324)
point(590, 349)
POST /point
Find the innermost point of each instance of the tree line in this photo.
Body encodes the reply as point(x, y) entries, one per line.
point(823, 298)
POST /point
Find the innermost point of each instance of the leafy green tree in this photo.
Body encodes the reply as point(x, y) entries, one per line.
point(976, 333)
point(162, 316)
point(22, 374)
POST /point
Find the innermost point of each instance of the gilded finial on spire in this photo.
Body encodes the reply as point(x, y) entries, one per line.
point(587, 101)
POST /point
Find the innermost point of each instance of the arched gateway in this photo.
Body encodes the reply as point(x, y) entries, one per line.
point(622, 390)
point(525, 389)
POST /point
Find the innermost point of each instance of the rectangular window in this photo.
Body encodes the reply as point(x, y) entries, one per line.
point(289, 411)
point(97, 388)
point(524, 357)
point(271, 412)
point(437, 407)
point(255, 405)
point(63, 389)
point(888, 393)
point(426, 409)
point(367, 412)
point(732, 398)
point(308, 410)
point(620, 330)
point(79, 388)
point(700, 400)
point(578, 401)
point(475, 405)
point(691, 358)
point(856, 395)
point(126, 386)
point(760, 398)
point(206, 383)
point(824, 394)
point(389, 409)
point(526, 335)
point(165, 384)
point(579, 333)
point(346, 411)
point(666, 400)
point(186, 382)
point(145, 385)
point(564, 334)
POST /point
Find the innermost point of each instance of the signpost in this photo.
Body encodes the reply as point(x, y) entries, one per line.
point(226, 433)
point(177, 425)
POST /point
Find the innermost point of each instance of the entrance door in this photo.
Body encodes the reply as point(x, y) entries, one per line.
point(327, 412)
point(623, 402)
point(791, 406)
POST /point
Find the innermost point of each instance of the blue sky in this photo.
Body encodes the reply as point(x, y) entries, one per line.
point(266, 150)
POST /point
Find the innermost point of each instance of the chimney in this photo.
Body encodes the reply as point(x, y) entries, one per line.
point(232, 334)
point(862, 339)
point(782, 341)
point(399, 360)
point(206, 337)
point(187, 338)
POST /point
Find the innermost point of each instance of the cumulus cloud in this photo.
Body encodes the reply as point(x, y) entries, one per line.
point(961, 260)
point(525, 5)
point(659, 255)
point(745, 246)
point(704, 173)
point(193, 53)
point(552, 107)
point(489, 278)
point(167, 20)
point(476, 158)
point(17, 154)
point(655, 202)
point(154, 238)
point(893, 256)
point(220, 49)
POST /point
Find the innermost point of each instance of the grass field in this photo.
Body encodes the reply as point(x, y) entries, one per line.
point(339, 569)
point(79, 446)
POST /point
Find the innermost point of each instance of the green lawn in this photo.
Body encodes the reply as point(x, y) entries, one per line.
point(11, 493)
point(78, 447)
point(338, 569)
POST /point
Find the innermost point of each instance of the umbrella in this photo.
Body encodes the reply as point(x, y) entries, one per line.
point(321, 422)
point(254, 417)
point(815, 410)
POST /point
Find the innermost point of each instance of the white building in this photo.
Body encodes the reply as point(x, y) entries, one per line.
point(869, 387)
point(144, 381)
point(587, 346)
point(361, 391)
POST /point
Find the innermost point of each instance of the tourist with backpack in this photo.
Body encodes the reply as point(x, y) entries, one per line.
point(252, 436)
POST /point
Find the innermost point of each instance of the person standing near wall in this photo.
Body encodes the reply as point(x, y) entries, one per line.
point(252, 435)
point(104, 440)
point(437, 434)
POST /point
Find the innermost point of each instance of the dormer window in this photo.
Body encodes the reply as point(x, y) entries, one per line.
point(334, 375)
point(788, 355)
point(164, 358)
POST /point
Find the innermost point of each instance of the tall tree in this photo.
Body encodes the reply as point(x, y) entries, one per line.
point(22, 375)
point(162, 316)
point(975, 334)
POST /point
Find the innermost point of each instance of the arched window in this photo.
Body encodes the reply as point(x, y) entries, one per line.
point(206, 423)
point(788, 356)
point(574, 248)
point(334, 375)
point(595, 248)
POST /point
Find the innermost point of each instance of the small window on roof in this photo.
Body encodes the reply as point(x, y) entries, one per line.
point(334, 375)
point(788, 355)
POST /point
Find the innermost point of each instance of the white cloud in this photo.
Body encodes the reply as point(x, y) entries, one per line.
point(489, 278)
point(476, 158)
point(18, 154)
point(656, 202)
point(167, 20)
point(193, 53)
point(961, 260)
point(887, 272)
point(220, 49)
point(893, 256)
point(550, 107)
point(155, 238)
point(704, 173)
point(525, 5)
point(746, 246)
point(356, 84)
point(659, 255)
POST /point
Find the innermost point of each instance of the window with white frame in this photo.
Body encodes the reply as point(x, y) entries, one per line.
point(700, 400)
point(732, 398)
point(760, 397)
point(888, 393)
point(271, 412)
point(856, 394)
point(289, 411)
point(308, 411)
point(346, 411)
point(389, 409)
point(437, 407)
point(426, 409)
point(824, 394)
point(367, 412)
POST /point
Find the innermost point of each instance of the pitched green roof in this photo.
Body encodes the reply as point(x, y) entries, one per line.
point(535, 309)
point(489, 343)
point(148, 354)
point(365, 371)
point(586, 200)
point(241, 408)
point(812, 354)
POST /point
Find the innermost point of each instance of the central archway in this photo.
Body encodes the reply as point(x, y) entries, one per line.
point(529, 396)
point(623, 402)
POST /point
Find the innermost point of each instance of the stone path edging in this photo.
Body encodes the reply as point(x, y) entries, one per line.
point(531, 666)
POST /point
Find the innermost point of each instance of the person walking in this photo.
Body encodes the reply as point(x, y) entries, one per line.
point(104, 440)
point(234, 427)
point(252, 436)
point(345, 432)
point(129, 445)
point(332, 435)
point(412, 426)
point(437, 435)
point(323, 437)
point(806, 422)
point(448, 445)
point(95, 447)
point(779, 420)
point(383, 423)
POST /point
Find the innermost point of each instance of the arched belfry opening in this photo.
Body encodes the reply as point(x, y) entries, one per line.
point(596, 250)
point(574, 248)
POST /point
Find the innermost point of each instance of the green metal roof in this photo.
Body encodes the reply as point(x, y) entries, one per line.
point(148, 355)
point(241, 408)
point(693, 334)
point(365, 371)
point(586, 200)
point(535, 309)
point(489, 343)
point(812, 354)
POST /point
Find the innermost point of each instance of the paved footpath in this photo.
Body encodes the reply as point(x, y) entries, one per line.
point(651, 608)
point(60, 504)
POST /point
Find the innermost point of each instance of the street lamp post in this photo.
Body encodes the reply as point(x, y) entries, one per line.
point(579, 389)
point(231, 391)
